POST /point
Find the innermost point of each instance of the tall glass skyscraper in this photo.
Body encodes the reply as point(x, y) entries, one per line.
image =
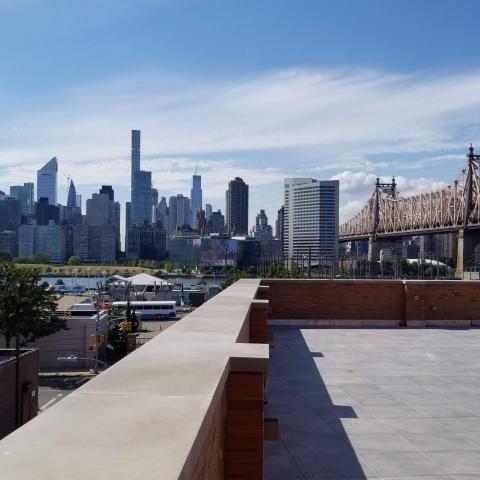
point(196, 196)
point(141, 208)
point(72, 195)
point(25, 194)
point(47, 181)
point(135, 152)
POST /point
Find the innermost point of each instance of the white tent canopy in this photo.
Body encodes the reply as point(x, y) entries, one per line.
point(144, 279)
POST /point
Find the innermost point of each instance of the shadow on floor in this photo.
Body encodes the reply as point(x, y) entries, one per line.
point(312, 441)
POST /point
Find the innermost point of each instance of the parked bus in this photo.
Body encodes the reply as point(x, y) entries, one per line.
point(151, 310)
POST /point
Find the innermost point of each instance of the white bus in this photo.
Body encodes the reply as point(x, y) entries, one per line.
point(151, 310)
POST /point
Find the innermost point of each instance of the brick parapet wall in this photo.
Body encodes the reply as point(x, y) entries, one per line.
point(363, 303)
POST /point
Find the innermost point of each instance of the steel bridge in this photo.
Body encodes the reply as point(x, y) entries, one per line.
point(455, 208)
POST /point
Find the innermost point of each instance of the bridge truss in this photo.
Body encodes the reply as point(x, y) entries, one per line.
point(452, 208)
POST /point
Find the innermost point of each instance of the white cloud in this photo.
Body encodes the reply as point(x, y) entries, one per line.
point(319, 120)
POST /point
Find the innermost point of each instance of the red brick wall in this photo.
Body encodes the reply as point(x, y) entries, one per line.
point(299, 299)
point(211, 464)
point(244, 428)
point(233, 447)
point(355, 303)
point(29, 402)
point(258, 325)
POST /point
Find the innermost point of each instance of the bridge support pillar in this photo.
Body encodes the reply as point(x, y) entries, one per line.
point(468, 250)
point(373, 249)
point(460, 251)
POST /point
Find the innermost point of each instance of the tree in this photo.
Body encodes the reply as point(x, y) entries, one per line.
point(59, 282)
point(5, 256)
point(40, 257)
point(74, 260)
point(27, 307)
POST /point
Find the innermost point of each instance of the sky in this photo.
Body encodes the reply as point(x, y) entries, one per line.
point(264, 90)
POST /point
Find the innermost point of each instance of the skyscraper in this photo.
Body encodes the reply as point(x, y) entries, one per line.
point(141, 209)
point(135, 153)
point(208, 211)
point(311, 219)
point(141, 187)
point(262, 229)
point(196, 197)
point(72, 195)
point(179, 212)
point(108, 189)
point(25, 194)
point(237, 207)
point(104, 213)
point(47, 181)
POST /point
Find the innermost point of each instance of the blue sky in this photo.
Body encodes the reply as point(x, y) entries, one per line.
point(265, 89)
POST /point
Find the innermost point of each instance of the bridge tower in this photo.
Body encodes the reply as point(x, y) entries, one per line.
point(468, 239)
point(373, 242)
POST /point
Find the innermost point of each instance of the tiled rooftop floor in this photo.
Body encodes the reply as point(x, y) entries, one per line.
point(374, 404)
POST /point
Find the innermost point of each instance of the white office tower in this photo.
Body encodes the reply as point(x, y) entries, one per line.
point(47, 181)
point(311, 220)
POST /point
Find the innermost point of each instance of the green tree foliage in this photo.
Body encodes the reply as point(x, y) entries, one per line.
point(74, 260)
point(27, 307)
point(59, 282)
point(5, 256)
point(232, 276)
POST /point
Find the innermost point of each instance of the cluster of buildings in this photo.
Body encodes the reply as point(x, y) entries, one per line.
point(188, 231)
point(181, 227)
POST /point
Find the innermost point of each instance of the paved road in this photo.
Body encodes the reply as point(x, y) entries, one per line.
point(53, 389)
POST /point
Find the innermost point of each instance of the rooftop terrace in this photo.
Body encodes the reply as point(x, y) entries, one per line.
point(351, 403)
point(374, 403)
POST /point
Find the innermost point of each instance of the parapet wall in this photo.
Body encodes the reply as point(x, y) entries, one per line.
point(373, 303)
point(186, 405)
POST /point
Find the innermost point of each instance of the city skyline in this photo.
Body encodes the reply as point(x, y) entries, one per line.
point(315, 101)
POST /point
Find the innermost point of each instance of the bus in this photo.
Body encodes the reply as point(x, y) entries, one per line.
point(151, 310)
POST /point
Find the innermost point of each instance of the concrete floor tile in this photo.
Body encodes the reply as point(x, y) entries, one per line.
point(398, 464)
point(461, 463)
point(440, 442)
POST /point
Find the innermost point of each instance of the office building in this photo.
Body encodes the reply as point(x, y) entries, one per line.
point(10, 213)
point(47, 181)
point(135, 156)
point(8, 242)
point(108, 190)
point(162, 214)
point(196, 197)
point(279, 224)
point(78, 201)
point(208, 211)
point(49, 239)
point(201, 222)
point(237, 207)
point(262, 230)
point(102, 211)
point(178, 212)
point(95, 243)
point(311, 219)
point(216, 223)
point(24, 193)
point(44, 212)
point(141, 207)
point(72, 195)
point(146, 242)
